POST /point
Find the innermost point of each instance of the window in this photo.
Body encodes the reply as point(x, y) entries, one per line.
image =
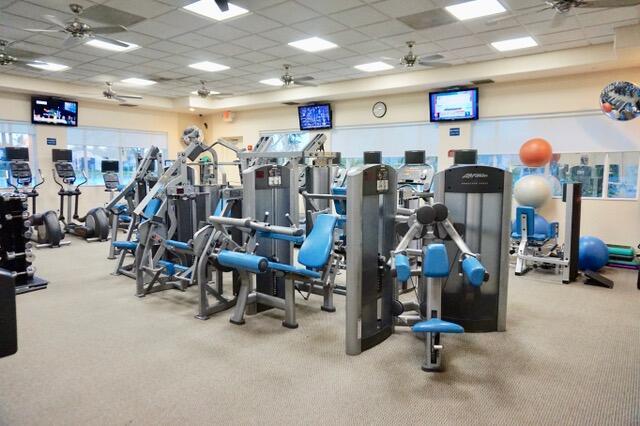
point(587, 169)
point(92, 145)
point(511, 163)
point(16, 134)
point(623, 175)
point(395, 162)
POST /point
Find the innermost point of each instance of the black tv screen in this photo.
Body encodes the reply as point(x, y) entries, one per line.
point(54, 111)
point(16, 153)
point(315, 117)
point(454, 105)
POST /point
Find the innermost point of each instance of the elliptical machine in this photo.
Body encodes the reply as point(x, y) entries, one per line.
point(94, 226)
point(46, 229)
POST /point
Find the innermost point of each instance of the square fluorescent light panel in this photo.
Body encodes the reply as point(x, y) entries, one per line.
point(475, 9)
point(110, 46)
point(374, 66)
point(272, 82)
point(209, 66)
point(313, 44)
point(210, 9)
point(48, 66)
point(138, 81)
point(514, 44)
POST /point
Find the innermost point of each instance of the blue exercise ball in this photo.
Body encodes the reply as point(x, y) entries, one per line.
point(540, 225)
point(593, 254)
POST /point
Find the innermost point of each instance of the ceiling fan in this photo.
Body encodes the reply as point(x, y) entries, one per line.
point(109, 93)
point(7, 58)
point(411, 59)
point(562, 7)
point(204, 92)
point(289, 80)
point(223, 5)
point(78, 30)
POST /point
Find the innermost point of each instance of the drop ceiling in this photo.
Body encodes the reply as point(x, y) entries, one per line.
point(254, 46)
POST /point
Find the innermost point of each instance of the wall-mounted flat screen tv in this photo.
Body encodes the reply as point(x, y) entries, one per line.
point(315, 117)
point(454, 105)
point(54, 111)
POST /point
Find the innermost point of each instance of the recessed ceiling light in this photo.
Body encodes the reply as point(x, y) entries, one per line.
point(100, 44)
point(272, 82)
point(48, 66)
point(210, 9)
point(313, 44)
point(139, 81)
point(209, 66)
point(514, 44)
point(475, 9)
point(374, 66)
point(192, 109)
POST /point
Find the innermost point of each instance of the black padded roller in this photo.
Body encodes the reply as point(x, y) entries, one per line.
point(425, 215)
point(441, 212)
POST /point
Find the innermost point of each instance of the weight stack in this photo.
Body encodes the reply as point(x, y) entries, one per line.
point(16, 250)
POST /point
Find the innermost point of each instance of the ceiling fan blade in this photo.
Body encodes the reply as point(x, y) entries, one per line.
point(55, 20)
point(222, 95)
point(305, 78)
point(118, 98)
point(494, 21)
point(129, 97)
point(434, 64)
point(38, 30)
point(109, 30)
point(388, 58)
point(304, 83)
point(72, 41)
point(435, 57)
point(110, 40)
point(610, 3)
point(558, 19)
point(223, 5)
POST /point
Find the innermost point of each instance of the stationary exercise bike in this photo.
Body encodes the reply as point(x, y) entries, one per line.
point(94, 226)
point(45, 227)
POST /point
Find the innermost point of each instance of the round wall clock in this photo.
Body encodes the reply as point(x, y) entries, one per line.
point(379, 109)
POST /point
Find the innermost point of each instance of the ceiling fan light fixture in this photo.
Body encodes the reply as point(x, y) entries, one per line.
point(272, 82)
point(210, 9)
point(313, 44)
point(374, 67)
point(49, 66)
point(475, 9)
point(211, 92)
point(138, 81)
point(208, 66)
point(514, 44)
point(112, 47)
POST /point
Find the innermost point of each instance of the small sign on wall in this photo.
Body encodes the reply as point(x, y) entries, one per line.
point(52, 141)
point(454, 131)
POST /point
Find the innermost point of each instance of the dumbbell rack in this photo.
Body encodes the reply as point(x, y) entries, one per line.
point(16, 250)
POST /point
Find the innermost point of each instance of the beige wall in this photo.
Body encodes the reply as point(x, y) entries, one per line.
point(17, 107)
point(542, 96)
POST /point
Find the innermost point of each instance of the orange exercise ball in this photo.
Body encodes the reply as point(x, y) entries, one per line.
point(607, 107)
point(535, 152)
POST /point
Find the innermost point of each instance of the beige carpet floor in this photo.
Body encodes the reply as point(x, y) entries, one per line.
point(92, 353)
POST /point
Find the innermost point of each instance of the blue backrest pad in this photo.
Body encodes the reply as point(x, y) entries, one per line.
point(318, 244)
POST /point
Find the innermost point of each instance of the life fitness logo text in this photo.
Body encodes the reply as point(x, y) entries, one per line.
point(475, 179)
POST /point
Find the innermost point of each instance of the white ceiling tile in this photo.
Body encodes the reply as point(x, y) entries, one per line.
point(255, 68)
point(255, 42)
point(254, 23)
point(226, 49)
point(146, 8)
point(331, 6)
point(170, 47)
point(222, 32)
point(334, 54)
point(363, 15)
point(442, 32)
point(281, 51)
point(609, 15)
point(35, 48)
point(568, 24)
point(18, 22)
point(567, 45)
point(111, 63)
point(472, 51)
point(157, 29)
point(385, 29)
point(30, 10)
point(534, 15)
point(523, 4)
point(504, 34)
point(255, 57)
point(151, 53)
point(8, 33)
point(307, 58)
point(184, 20)
point(481, 25)
point(255, 5)
point(194, 40)
point(460, 42)
point(560, 37)
point(288, 13)
point(137, 38)
point(319, 26)
point(397, 8)
point(368, 46)
point(131, 59)
point(343, 38)
point(284, 34)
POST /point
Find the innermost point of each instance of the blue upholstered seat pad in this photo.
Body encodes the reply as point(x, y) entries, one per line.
point(127, 245)
point(436, 325)
point(178, 244)
point(435, 261)
point(171, 267)
point(152, 208)
point(316, 248)
point(403, 267)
